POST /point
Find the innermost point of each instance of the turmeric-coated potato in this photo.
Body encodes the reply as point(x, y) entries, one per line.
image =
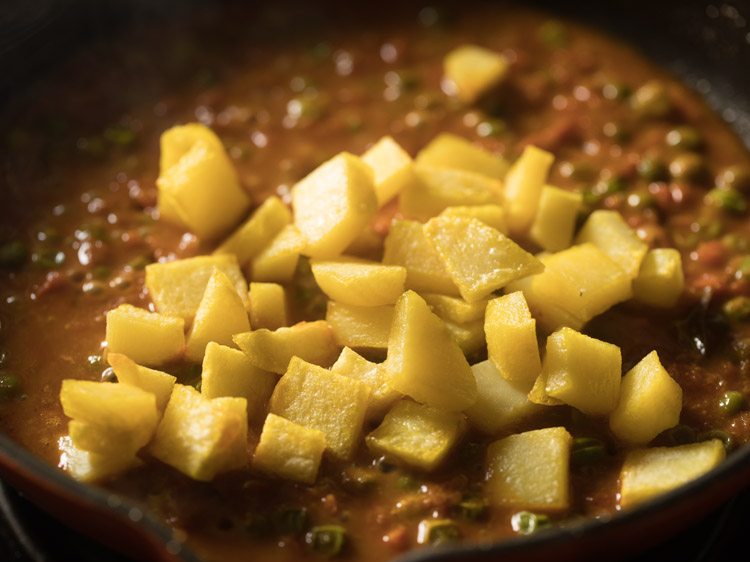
point(523, 187)
point(661, 279)
point(451, 151)
point(609, 232)
point(391, 166)
point(470, 71)
point(360, 327)
point(555, 218)
point(156, 382)
point(268, 306)
point(359, 283)
point(278, 261)
point(382, 395)
point(146, 337)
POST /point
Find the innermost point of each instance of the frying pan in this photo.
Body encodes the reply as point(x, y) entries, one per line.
point(706, 45)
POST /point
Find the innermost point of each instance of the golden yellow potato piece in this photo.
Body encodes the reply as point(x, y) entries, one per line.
point(647, 473)
point(457, 310)
point(511, 339)
point(478, 258)
point(391, 166)
point(220, 315)
point(177, 287)
point(416, 434)
point(359, 283)
point(451, 151)
point(661, 279)
point(491, 215)
point(523, 187)
point(198, 182)
point(406, 245)
point(200, 437)
point(227, 372)
point(367, 245)
point(289, 451)
point(469, 336)
point(333, 204)
point(650, 402)
point(277, 263)
point(92, 467)
point(530, 470)
point(361, 327)
point(271, 351)
point(128, 372)
point(268, 307)
point(469, 71)
point(609, 232)
point(424, 361)
point(146, 337)
point(555, 218)
point(382, 396)
point(319, 399)
point(257, 232)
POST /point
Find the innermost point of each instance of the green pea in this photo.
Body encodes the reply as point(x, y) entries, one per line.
point(651, 100)
point(119, 135)
point(48, 259)
point(652, 169)
point(553, 34)
point(728, 198)
point(438, 531)
point(292, 520)
point(139, 262)
point(685, 138)
point(101, 272)
point(735, 177)
point(326, 540)
point(93, 287)
point(688, 167)
point(738, 243)
point(641, 199)
point(737, 308)
point(587, 450)
point(10, 386)
point(726, 439)
point(13, 254)
point(472, 508)
point(491, 128)
point(731, 402)
point(527, 523)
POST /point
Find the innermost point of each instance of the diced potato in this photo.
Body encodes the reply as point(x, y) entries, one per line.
point(92, 467)
point(271, 351)
point(470, 71)
point(200, 437)
point(268, 307)
point(436, 189)
point(538, 393)
point(650, 402)
point(289, 451)
point(177, 287)
point(333, 204)
point(555, 218)
point(359, 283)
point(511, 339)
point(424, 361)
point(360, 327)
point(451, 151)
point(661, 279)
point(220, 315)
point(146, 337)
point(609, 232)
point(407, 245)
point(199, 181)
point(469, 336)
point(257, 232)
point(647, 473)
point(491, 215)
point(500, 405)
point(227, 372)
point(368, 244)
point(416, 434)
point(523, 187)
point(530, 470)
point(478, 258)
point(156, 382)
point(382, 396)
point(457, 310)
point(391, 166)
point(576, 285)
point(277, 263)
point(582, 372)
point(319, 399)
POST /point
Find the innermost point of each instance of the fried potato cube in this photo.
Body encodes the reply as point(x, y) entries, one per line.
point(436, 189)
point(470, 71)
point(319, 399)
point(491, 215)
point(220, 315)
point(555, 218)
point(333, 204)
point(199, 182)
point(478, 258)
point(523, 187)
point(609, 232)
point(650, 402)
point(268, 307)
point(382, 396)
point(358, 283)
point(200, 437)
point(227, 372)
point(530, 470)
point(272, 350)
point(92, 467)
point(582, 372)
point(289, 451)
point(391, 166)
point(146, 337)
point(424, 361)
point(500, 404)
point(661, 279)
point(451, 151)
point(416, 434)
point(469, 335)
point(647, 473)
point(257, 232)
point(128, 372)
point(361, 327)
point(577, 284)
point(511, 339)
point(406, 245)
point(367, 245)
point(177, 287)
point(278, 261)
point(456, 310)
